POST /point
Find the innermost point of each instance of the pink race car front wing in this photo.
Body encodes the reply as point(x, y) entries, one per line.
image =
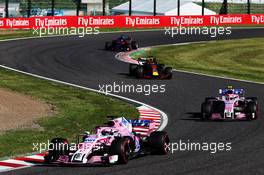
point(237, 116)
point(93, 161)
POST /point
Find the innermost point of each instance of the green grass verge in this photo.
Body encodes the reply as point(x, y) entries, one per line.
point(9, 34)
point(77, 110)
point(242, 59)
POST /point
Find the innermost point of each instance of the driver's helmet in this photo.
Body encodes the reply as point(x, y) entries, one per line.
point(230, 92)
point(155, 60)
point(124, 37)
point(85, 135)
point(106, 132)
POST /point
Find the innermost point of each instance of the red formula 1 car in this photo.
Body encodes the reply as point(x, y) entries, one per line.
point(114, 143)
point(231, 104)
point(123, 43)
point(149, 68)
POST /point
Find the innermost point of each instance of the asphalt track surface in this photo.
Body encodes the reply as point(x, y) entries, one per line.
point(83, 61)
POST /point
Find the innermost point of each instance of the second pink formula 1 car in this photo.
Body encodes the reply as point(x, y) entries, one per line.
point(231, 104)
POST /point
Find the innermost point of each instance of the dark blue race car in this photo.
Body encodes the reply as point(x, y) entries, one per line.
point(123, 43)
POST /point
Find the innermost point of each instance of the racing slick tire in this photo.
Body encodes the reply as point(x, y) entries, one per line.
point(206, 110)
point(108, 46)
point(218, 107)
point(160, 67)
point(241, 106)
point(57, 147)
point(134, 45)
point(158, 142)
point(121, 147)
point(251, 110)
point(140, 72)
point(168, 72)
point(132, 69)
point(127, 47)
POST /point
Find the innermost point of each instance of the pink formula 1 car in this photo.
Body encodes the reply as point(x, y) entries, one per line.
point(114, 143)
point(231, 104)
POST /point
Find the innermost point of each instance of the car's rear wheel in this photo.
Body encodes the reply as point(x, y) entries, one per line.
point(57, 147)
point(158, 142)
point(140, 72)
point(132, 69)
point(121, 148)
point(134, 45)
point(168, 72)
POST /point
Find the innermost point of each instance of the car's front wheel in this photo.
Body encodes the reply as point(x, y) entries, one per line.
point(132, 69)
point(251, 110)
point(134, 45)
point(57, 147)
point(206, 110)
point(121, 148)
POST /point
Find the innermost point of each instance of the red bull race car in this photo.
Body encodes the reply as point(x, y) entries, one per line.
point(149, 68)
point(230, 105)
point(123, 43)
point(114, 143)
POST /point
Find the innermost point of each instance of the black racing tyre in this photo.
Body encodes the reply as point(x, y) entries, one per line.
point(168, 72)
point(57, 147)
point(158, 142)
point(132, 69)
point(206, 110)
point(121, 147)
point(251, 107)
point(241, 106)
point(108, 46)
point(127, 47)
point(132, 144)
point(134, 45)
point(140, 72)
point(218, 107)
point(251, 110)
point(50, 158)
point(160, 67)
